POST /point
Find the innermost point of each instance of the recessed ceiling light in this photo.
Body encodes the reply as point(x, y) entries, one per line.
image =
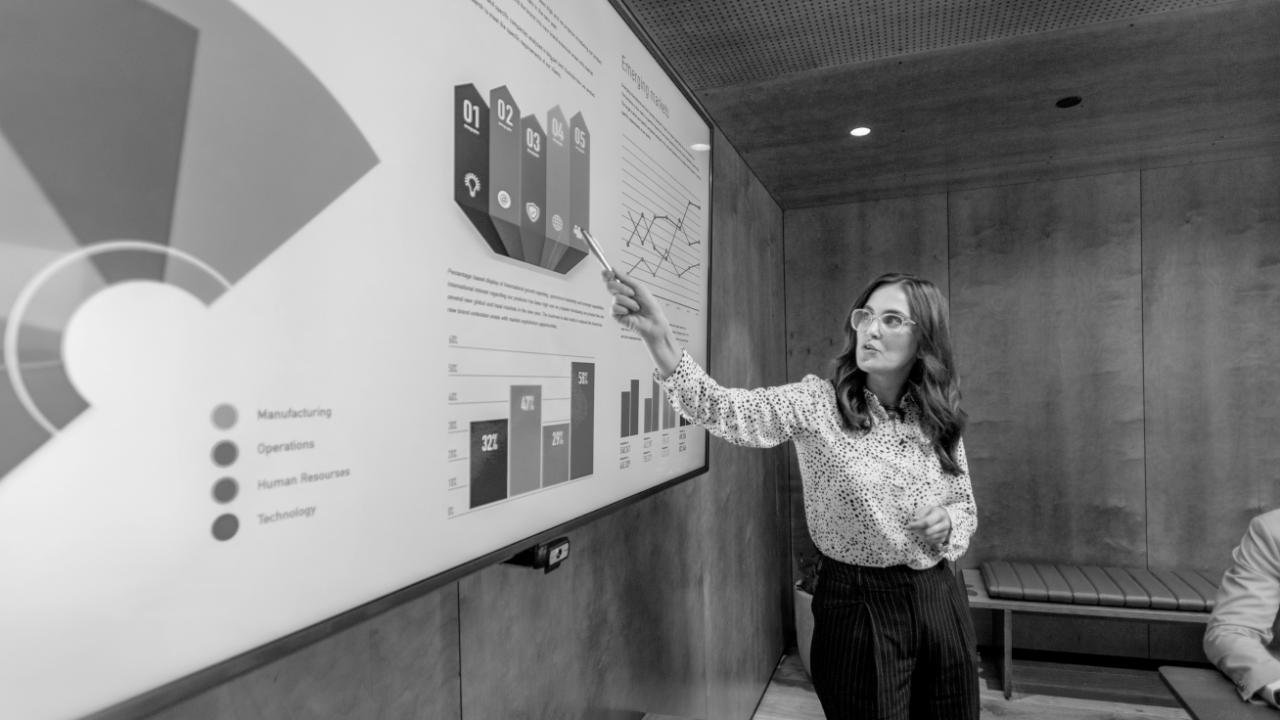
point(860, 131)
point(700, 147)
point(1069, 101)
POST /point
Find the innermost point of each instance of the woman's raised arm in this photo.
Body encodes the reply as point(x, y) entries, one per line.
point(758, 418)
point(636, 309)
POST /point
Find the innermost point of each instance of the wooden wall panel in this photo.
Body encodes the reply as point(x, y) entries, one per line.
point(1046, 301)
point(1211, 277)
point(400, 664)
point(521, 638)
point(615, 632)
point(831, 254)
point(1046, 308)
point(742, 535)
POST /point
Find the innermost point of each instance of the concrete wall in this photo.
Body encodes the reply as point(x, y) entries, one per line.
point(1117, 345)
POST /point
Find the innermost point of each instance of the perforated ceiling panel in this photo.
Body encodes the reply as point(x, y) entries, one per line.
point(712, 43)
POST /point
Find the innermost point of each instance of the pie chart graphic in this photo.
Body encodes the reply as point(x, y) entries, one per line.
point(170, 141)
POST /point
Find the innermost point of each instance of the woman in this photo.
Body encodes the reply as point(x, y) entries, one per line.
point(886, 488)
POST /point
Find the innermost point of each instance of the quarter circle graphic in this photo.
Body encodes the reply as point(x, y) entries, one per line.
point(184, 125)
point(12, 329)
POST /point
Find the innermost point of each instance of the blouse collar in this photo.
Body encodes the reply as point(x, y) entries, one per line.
point(908, 408)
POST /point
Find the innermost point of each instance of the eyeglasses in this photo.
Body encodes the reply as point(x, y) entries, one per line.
point(890, 322)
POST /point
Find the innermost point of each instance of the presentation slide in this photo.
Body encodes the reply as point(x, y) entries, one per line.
point(295, 313)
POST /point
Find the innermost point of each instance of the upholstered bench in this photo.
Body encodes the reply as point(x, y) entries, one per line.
point(1127, 594)
point(1117, 587)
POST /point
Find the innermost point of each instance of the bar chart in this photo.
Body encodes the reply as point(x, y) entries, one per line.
point(518, 422)
point(658, 414)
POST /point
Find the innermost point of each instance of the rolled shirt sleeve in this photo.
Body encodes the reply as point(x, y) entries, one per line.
point(1272, 693)
point(759, 418)
point(1242, 625)
point(961, 507)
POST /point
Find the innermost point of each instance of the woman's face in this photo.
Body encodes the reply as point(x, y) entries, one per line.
point(882, 351)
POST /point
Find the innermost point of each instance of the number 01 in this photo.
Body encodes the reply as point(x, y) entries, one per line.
point(471, 113)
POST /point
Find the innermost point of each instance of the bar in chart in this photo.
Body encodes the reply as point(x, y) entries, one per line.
point(555, 454)
point(488, 462)
point(525, 441)
point(648, 414)
point(582, 436)
point(658, 411)
point(523, 431)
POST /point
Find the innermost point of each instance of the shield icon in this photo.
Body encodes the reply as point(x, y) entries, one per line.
point(533, 211)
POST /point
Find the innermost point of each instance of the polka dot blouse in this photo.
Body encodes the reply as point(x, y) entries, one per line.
point(861, 488)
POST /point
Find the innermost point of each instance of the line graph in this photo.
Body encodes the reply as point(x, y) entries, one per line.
point(642, 232)
point(662, 227)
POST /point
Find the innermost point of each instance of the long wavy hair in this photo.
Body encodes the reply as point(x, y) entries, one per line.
point(932, 381)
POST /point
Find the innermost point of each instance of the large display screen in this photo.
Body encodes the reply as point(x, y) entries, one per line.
point(294, 314)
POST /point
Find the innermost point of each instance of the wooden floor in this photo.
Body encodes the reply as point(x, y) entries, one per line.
point(790, 695)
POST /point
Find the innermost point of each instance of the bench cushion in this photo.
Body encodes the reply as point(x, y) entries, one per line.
point(1056, 585)
point(1082, 591)
point(1108, 592)
point(1188, 598)
point(1087, 585)
point(1205, 587)
point(1032, 586)
point(1162, 598)
point(1001, 580)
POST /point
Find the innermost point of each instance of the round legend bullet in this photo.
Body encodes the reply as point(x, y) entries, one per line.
point(225, 490)
point(225, 453)
point(225, 417)
point(225, 527)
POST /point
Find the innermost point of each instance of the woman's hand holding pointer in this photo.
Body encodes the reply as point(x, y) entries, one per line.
point(636, 309)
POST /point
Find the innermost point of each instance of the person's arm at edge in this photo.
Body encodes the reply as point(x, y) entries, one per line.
point(1248, 598)
point(961, 508)
point(1271, 693)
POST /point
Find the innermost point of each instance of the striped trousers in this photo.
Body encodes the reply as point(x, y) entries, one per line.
point(893, 644)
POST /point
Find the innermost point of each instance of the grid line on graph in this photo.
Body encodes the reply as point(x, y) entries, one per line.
point(661, 228)
point(640, 167)
point(636, 150)
point(523, 352)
